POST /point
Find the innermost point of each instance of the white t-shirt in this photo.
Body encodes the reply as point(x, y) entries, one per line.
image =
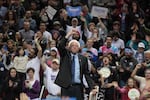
point(50, 76)
point(35, 64)
point(47, 35)
point(119, 44)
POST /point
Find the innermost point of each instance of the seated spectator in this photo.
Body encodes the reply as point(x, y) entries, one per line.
point(12, 85)
point(31, 86)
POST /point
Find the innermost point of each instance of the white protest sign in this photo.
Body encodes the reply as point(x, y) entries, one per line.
point(51, 12)
point(99, 11)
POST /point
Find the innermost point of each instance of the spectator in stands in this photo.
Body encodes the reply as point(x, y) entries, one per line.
point(139, 54)
point(3, 11)
point(12, 21)
point(50, 73)
point(20, 62)
point(28, 17)
point(43, 29)
point(131, 83)
point(18, 8)
point(31, 86)
point(108, 47)
point(91, 52)
point(26, 33)
point(119, 43)
point(127, 63)
point(34, 59)
point(107, 82)
point(144, 83)
point(12, 85)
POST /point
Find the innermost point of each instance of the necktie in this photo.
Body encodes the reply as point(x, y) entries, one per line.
point(73, 68)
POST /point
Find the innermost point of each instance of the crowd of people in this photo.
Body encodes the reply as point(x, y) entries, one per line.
point(65, 53)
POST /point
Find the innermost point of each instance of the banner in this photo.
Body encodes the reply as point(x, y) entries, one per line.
point(99, 11)
point(73, 11)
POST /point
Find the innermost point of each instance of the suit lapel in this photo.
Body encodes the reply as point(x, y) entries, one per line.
point(80, 63)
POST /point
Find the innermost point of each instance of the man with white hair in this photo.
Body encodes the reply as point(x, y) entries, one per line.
point(72, 68)
point(147, 58)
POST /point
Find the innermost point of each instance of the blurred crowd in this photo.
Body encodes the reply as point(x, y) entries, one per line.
point(30, 59)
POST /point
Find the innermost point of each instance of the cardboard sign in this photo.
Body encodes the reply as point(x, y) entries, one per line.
point(51, 12)
point(99, 11)
point(73, 11)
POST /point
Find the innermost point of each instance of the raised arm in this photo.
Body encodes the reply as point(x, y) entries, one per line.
point(39, 54)
point(138, 66)
point(43, 64)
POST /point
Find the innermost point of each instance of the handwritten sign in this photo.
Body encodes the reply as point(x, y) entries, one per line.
point(73, 11)
point(99, 11)
point(51, 12)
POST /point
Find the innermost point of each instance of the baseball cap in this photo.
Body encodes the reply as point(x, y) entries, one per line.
point(141, 45)
point(56, 61)
point(56, 23)
point(116, 22)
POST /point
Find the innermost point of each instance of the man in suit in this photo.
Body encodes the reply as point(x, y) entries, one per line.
point(72, 68)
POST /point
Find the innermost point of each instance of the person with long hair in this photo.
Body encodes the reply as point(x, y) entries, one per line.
point(12, 85)
point(31, 86)
point(131, 83)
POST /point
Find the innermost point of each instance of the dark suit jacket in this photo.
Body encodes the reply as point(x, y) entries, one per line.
point(64, 76)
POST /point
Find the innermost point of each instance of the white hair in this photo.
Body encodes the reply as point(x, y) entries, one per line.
point(148, 51)
point(73, 41)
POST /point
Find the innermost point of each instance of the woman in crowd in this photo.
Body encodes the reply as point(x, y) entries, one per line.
point(107, 82)
point(20, 62)
point(12, 85)
point(124, 91)
point(31, 86)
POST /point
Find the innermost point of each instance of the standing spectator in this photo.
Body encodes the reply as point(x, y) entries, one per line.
point(139, 54)
point(26, 33)
point(108, 47)
point(12, 21)
point(107, 82)
point(28, 17)
point(18, 8)
point(144, 82)
point(131, 83)
point(20, 62)
point(90, 50)
point(3, 11)
point(72, 68)
point(128, 63)
point(50, 75)
point(34, 59)
point(46, 34)
point(119, 43)
point(12, 85)
point(31, 86)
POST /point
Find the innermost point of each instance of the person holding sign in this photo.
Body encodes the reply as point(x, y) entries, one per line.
point(107, 77)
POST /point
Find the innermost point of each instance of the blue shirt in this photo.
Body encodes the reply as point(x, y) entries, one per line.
point(76, 77)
